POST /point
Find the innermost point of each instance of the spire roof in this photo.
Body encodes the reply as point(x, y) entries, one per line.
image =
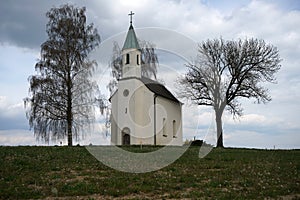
point(131, 41)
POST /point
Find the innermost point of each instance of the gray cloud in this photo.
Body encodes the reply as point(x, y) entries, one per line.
point(23, 23)
point(12, 116)
point(7, 123)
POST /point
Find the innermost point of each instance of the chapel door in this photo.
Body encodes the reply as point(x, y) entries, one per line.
point(126, 139)
point(126, 136)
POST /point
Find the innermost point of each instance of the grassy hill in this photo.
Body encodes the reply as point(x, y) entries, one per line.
point(73, 173)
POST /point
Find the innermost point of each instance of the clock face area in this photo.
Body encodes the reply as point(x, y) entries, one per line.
point(125, 92)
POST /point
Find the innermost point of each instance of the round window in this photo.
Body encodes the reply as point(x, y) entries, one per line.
point(126, 93)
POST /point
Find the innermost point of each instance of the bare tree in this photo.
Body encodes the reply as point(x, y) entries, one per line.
point(149, 59)
point(61, 94)
point(116, 68)
point(226, 71)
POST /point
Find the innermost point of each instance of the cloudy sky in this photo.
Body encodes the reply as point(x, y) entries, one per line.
point(276, 124)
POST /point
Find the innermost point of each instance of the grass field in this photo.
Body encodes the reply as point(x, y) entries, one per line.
point(73, 173)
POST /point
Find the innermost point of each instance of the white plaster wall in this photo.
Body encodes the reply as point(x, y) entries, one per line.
point(113, 119)
point(164, 132)
point(132, 69)
point(140, 115)
point(144, 112)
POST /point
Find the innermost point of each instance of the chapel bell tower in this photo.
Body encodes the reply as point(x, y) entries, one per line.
point(143, 110)
point(131, 54)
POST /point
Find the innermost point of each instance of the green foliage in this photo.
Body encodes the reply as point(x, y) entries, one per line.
point(40, 172)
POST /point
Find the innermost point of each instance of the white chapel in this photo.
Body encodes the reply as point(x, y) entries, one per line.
point(144, 112)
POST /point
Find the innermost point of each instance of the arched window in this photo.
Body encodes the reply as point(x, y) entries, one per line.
point(174, 129)
point(127, 59)
point(165, 128)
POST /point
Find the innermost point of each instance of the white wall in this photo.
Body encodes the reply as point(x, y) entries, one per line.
point(136, 112)
point(166, 112)
point(113, 119)
point(133, 69)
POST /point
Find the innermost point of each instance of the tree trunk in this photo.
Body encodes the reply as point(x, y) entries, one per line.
point(70, 138)
point(69, 112)
point(69, 124)
point(219, 128)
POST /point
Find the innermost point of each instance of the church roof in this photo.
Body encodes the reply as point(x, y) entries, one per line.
point(155, 87)
point(158, 89)
point(131, 41)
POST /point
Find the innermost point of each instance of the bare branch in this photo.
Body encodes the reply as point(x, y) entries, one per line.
point(61, 95)
point(226, 71)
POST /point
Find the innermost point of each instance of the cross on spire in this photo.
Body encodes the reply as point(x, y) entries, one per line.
point(130, 14)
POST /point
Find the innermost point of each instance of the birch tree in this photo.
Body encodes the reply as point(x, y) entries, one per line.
point(61, 95)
